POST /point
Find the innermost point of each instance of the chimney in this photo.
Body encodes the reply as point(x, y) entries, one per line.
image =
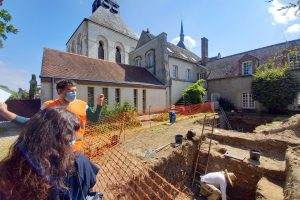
point(204, 50)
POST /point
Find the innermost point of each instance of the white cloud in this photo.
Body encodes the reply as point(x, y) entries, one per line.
point(14, 78)
point(295, 28)
point(1, 62)
point(283, 16)
point(189, 42)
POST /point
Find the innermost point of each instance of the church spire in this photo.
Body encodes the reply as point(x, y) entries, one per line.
point(181, 42)
point(181, 32)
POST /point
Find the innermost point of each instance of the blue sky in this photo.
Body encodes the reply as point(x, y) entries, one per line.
point(231, 27)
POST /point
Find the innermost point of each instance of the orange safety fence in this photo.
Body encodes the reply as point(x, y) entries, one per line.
point(122, 175)
point(195, 108)
point(112, 126)
point(183, 110)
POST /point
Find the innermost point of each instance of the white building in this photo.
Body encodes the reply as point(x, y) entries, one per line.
point(97, 58)
point(103, 35)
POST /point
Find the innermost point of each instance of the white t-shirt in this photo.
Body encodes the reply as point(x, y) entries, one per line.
point(218, 180)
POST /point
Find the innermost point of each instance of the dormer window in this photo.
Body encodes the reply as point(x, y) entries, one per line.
point(247, 68)
point(294, 60)
point(201, 75)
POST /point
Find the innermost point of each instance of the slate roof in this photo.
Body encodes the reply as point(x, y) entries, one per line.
point(59, 64)
point(113, 21)
point(181, 53)
point(145, 37)
point(181, 44)
point(229, 66)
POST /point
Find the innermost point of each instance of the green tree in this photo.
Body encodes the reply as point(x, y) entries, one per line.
point(195, 93)
point(5, 26)
point(274, 85)
point(33, 87)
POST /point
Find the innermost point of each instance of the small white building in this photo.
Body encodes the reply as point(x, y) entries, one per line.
point(97, 58)
point(119, 83)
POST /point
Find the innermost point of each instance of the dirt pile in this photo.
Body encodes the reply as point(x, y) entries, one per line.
point(292, 186)
point(288, 127)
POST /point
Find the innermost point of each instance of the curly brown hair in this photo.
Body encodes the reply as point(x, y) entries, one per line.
point(41, 157)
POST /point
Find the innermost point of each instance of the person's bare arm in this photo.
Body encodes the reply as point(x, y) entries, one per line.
point(10, 116)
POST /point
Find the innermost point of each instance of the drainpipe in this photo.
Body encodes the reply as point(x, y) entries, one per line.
point(52, 88)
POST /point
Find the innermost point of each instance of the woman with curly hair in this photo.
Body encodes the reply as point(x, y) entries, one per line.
point(41, 163)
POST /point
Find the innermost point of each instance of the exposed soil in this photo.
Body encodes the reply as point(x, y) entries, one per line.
point(267, 189)
point(275, 176)
point(276, 169)
point(292, 186)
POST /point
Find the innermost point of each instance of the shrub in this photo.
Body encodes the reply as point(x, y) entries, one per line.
point(118, 108)
point(275, 88)
point(195, 93)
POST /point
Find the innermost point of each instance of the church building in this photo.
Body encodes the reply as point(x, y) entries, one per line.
point(104, 56)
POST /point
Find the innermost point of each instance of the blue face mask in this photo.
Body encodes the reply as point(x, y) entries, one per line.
point(70, 96)
point(72, 142)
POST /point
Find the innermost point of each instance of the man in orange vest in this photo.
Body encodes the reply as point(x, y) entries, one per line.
point(66, 90)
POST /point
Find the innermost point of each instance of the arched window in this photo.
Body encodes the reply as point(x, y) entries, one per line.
point(137, 61)
point(150, 61)
point(118, 55)
point(101, 50)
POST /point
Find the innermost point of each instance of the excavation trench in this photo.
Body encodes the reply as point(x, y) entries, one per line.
point(277, 169)
point(178, 166)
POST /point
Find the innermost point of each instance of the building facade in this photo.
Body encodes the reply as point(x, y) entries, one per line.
point(103, 35)
point(119, 83)
point(231, 77)
point(174, 65)
point(148, 71)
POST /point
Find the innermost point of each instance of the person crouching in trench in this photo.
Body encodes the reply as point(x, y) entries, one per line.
point(214, 184)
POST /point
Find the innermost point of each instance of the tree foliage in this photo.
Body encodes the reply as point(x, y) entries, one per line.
point(5, 26)
point(275, 86)
point(195, 93)
point(33, 87)
point(292, 4)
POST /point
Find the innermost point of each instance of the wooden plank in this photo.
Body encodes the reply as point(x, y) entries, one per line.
point(234, 155)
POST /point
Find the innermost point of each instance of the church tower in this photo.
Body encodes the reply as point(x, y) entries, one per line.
point(104, 35)
point(181, 42)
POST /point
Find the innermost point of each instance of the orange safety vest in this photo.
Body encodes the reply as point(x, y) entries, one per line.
point(78, 107)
